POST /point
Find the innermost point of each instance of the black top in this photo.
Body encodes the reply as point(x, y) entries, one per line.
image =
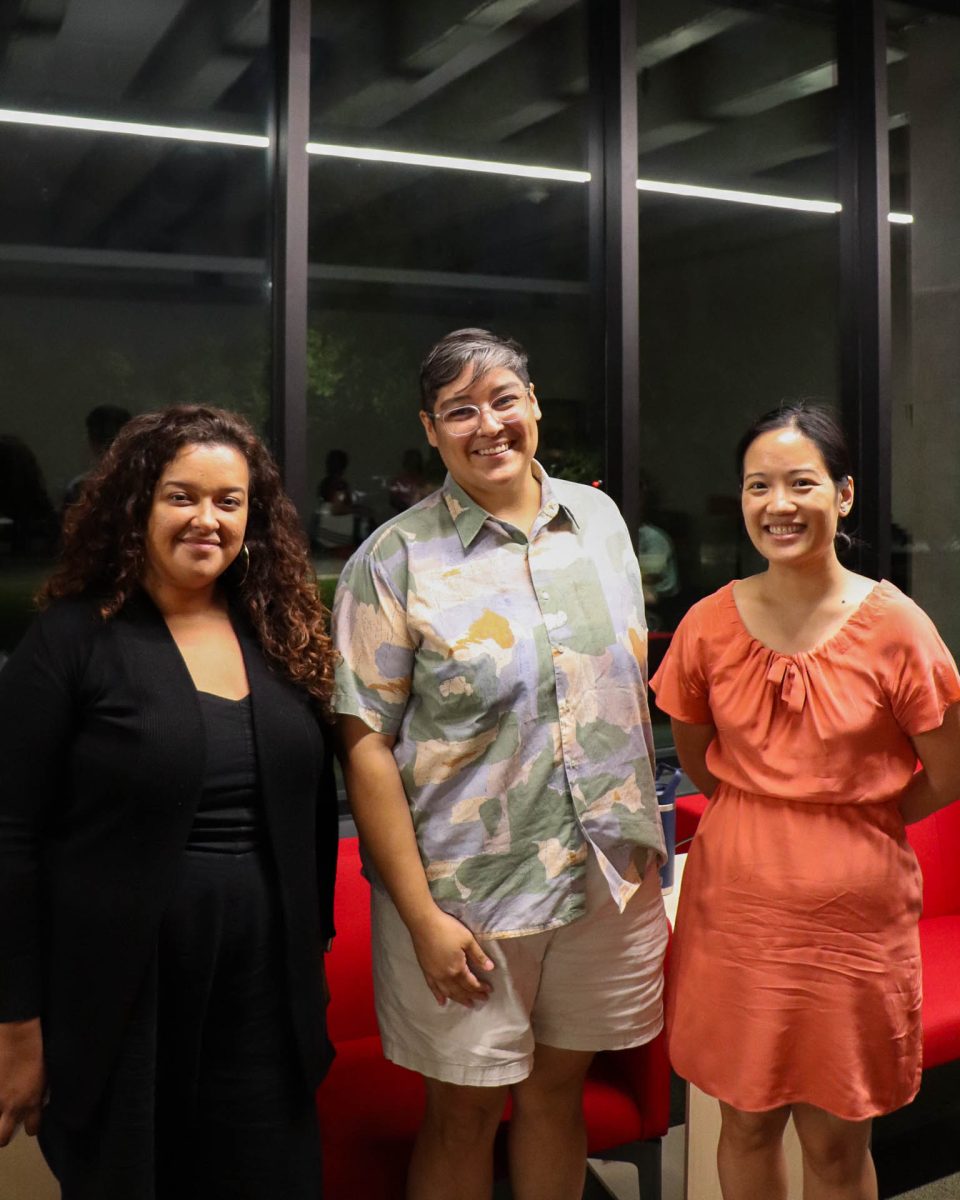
point(102, 751)
point(228, 817)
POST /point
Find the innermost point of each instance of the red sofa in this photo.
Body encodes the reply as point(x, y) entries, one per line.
point(369, 1109)
point(689, 811)
point(936, 843)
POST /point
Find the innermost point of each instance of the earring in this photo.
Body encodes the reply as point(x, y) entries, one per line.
point(245, 555)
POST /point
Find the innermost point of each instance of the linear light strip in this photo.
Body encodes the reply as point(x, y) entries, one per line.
point(737, 197)
point(409, 158)
point(447, 162)
point(764, 199)
point(15, 116)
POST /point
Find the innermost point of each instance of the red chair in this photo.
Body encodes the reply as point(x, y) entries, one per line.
point(936, 842)
point(690, 809)
point(370, 1109)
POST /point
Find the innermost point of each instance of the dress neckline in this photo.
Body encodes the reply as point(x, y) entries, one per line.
point(834, 641)
point(223, 699)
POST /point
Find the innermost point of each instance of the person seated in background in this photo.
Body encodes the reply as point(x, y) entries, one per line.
point(103, 424)
point(29, 522)
point(496, 742)
point(334, 488)
point(657, 558)
point(410, 484)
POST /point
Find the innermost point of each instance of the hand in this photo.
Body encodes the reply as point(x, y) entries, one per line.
point(22, 1077)
point(445, 949)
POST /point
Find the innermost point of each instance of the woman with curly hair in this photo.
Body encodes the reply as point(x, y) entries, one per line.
point(168, 831)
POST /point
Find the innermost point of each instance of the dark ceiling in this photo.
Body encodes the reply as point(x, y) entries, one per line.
point(737, 95)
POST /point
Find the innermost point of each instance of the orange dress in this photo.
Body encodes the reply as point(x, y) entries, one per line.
point(795, 967)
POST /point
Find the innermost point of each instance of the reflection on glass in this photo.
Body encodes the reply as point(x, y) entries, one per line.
point(923, 53)
point(739, 269)
point(132, 267)
point(403, 251)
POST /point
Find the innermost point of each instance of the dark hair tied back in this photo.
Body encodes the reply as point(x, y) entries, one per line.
point(821, 427)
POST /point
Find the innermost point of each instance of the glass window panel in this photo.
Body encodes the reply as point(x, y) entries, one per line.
point(739, 270)
point(132, 266)
point(924, 100)
point(403, 251)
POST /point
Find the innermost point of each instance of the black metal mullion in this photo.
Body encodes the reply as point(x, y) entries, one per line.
point(865, 271)
point(289, 175)
point(613, 238)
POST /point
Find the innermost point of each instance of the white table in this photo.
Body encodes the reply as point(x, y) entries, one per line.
point(703, 1118)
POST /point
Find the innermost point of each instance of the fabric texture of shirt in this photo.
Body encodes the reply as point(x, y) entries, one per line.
point(512, 670)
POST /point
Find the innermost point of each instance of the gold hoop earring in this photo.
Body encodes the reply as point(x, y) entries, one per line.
point(245, 555)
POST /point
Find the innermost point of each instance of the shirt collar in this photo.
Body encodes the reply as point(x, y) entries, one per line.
point(468, 516)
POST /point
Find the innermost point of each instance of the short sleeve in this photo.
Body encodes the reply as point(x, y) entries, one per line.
point(374, 646)
point(681, 683)
point(922, 678)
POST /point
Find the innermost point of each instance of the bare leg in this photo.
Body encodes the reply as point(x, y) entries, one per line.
point(836, 1156)
point(750, 1154)
point(548, 1139)
point(453, 1154)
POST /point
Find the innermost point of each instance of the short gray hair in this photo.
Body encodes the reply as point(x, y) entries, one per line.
point(463, 347)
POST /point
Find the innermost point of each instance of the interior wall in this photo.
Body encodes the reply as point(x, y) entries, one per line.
point(927, 477)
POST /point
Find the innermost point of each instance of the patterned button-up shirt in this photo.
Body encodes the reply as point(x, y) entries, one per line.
point(512, 670)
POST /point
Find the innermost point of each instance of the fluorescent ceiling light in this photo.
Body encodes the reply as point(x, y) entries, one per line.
point(729, 194)
point(447, 162)
point(14, 116)
point(764, 199)
point(408, 158)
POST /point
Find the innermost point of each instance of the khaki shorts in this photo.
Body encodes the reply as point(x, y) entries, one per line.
point(595, 984)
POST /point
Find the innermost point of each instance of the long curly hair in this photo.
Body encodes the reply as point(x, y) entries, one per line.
point(104, 539)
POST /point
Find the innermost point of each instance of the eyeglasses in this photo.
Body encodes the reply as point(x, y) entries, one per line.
point(465, 419)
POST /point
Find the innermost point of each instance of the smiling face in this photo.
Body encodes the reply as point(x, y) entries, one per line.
point(496, 459)
point(198, 519)
point(791, 506)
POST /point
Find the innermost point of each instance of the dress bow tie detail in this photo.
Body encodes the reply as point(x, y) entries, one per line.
point(785, 674)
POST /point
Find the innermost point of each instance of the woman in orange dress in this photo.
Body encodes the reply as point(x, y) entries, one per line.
point(800, 701)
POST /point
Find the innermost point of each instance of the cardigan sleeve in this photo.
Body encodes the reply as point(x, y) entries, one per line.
point(38, 703)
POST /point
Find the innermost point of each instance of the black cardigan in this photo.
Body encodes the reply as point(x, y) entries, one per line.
point(101, 767)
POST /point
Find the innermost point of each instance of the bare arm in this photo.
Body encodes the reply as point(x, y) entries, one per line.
point(444, 946)
point(22, 1078)
point(938, 784)
point(691, 742)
